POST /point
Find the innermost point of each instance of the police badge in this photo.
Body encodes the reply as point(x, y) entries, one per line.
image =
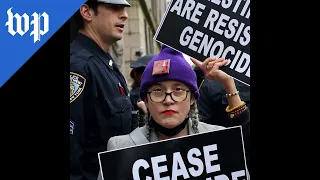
point(77, 83)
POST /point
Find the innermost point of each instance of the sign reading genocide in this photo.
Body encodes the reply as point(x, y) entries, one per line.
point(217, 155)
point(210, 28)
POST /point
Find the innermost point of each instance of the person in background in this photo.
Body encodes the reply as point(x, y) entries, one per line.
point(213, 102)
point(136, 72)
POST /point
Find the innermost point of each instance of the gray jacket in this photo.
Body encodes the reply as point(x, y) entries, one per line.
point(125, 141)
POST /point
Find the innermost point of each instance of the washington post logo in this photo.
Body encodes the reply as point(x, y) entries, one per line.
point(24, 20)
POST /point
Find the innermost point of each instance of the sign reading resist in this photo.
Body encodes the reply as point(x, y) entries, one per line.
point(210, 28)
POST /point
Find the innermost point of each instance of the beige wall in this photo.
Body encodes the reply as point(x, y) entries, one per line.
point(138, 35)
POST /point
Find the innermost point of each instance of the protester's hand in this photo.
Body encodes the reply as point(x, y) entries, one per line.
point(142, 106)
point(210, 68)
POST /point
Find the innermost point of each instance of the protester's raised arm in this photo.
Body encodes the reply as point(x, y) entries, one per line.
point(210, 68)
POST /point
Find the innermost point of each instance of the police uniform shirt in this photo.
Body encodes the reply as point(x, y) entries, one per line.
point(99, 106)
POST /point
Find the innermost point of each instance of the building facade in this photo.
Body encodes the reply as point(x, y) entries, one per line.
point(144, 18)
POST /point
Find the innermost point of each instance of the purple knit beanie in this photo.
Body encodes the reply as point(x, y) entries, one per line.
point(169, 64)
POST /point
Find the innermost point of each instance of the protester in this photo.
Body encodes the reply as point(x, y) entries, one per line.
point(169, 89)
point(100, 106)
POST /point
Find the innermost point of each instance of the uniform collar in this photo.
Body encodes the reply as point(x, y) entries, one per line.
point(96, 49)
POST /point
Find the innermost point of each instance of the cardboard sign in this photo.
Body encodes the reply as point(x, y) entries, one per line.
point(217, 155)
point(210, 28)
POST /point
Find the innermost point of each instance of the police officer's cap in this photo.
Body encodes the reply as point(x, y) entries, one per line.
point(142, 61)
point(119, 2)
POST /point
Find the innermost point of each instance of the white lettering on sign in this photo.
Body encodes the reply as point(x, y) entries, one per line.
point(179, 168)
point(205, 45)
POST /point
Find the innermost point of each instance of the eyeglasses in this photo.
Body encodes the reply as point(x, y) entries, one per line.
point(176, 96)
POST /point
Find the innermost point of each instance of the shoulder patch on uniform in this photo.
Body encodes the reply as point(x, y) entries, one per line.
point(77, 83)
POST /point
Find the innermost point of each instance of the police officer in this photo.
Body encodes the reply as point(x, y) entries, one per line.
point(99, 103)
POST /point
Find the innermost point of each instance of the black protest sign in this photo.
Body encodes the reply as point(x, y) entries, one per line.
point(210, 28)
point(217, 155)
